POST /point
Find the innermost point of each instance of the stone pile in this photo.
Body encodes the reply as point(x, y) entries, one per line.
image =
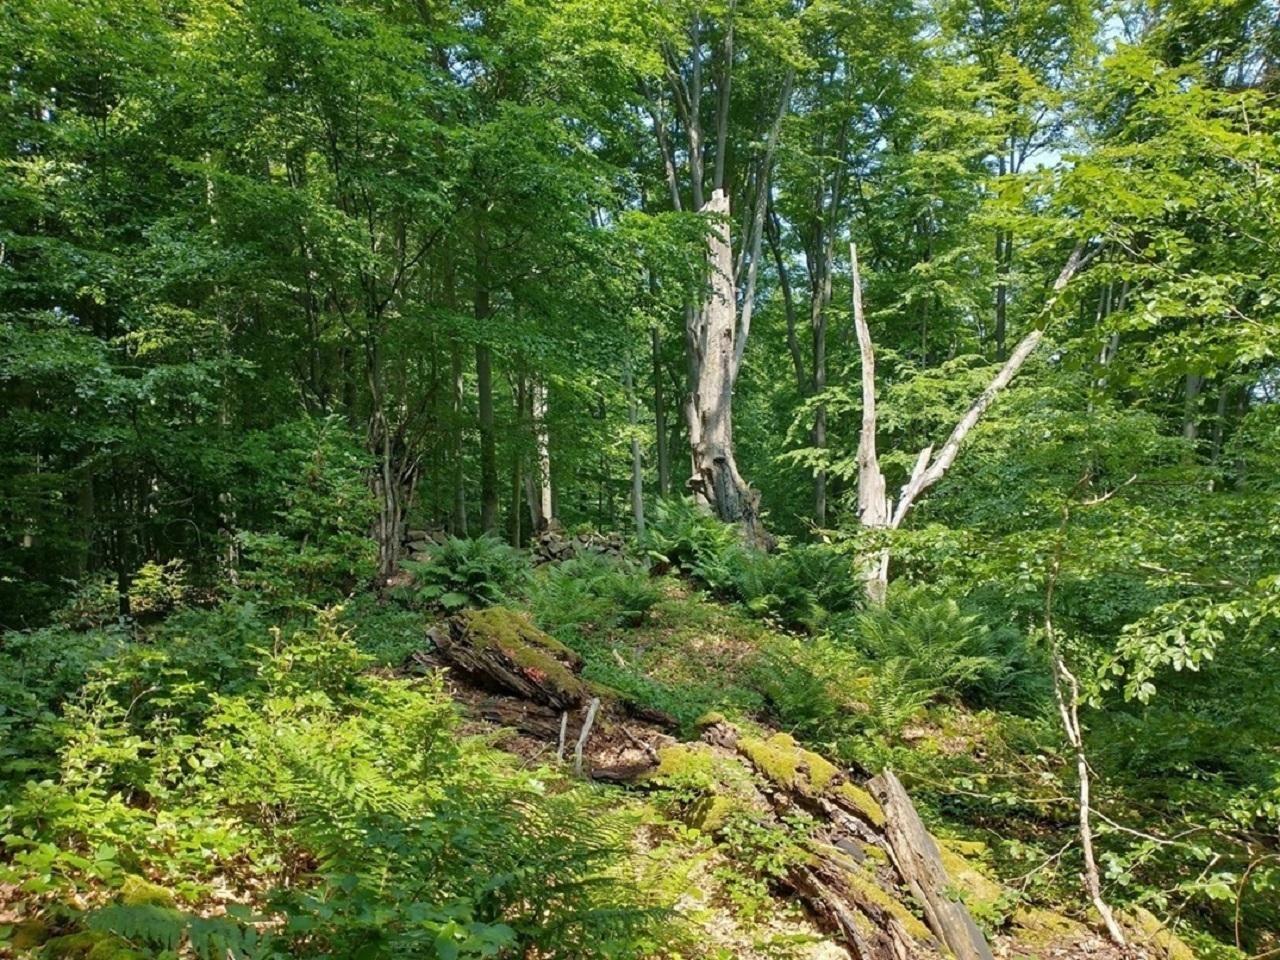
point(418, 543)
point(553, 544)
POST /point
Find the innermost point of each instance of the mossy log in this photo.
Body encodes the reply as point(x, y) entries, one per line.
point(919, 863)
point(501, 649)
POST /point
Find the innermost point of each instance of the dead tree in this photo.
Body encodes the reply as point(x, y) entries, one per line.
point(878, 511)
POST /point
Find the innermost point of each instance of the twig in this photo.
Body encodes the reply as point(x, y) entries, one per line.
point(651, 753)
point(564, 728)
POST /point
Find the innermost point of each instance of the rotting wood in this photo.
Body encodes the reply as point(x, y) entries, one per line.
point(584, 735)
point(918, 860)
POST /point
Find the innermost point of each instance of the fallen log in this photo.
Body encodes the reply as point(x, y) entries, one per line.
point(501, 649)
point(919, 862)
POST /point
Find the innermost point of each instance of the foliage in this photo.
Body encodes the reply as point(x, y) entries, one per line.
point(684, 537)
point(931, 648)
point(299, 757)
point(594, 592)
point(469, 573)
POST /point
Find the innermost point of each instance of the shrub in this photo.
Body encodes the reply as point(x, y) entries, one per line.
point(367, 824)
point(311, 476)
point(819, 689)
point(469, 573)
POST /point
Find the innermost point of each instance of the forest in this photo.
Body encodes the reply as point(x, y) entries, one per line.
point(640, 479)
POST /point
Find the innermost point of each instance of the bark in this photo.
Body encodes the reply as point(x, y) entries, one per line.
point(517, 494)
point(637, 461)
point(459, 498)
point(542, 446)
point(1191, 388)
point(918, 860)
point(873, 507)
point(660, 416)
point(774, 233)
point(396, 474)
point(715, 479)
point(488, 440)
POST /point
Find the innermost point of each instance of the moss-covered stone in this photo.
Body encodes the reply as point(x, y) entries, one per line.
point(863, 802)
point(139, 892)
point(865, 886)
point(1149, 929)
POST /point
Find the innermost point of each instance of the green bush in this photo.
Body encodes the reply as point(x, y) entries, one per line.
point(683, 536)
point(348, 801)
point(818, 689)
point(311, 476)
point(469, 573)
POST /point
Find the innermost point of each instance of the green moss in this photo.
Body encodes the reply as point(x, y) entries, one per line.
point(540, 656)
point(777, 758)
point(788, 764)
point(863, 802)
point(981, 893)
point(1151, 930)
point(29, 934)
point(1036, 927)
point(90, 945)
point(821, 771)
point(138, 892)
point(712, 812)
point(878, 854)
point(709, 719)
point(866, 886)
point(685, 760)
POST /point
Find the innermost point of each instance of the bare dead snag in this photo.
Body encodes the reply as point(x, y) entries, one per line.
point(876, 510)
point(715, 479)
point(585, 734)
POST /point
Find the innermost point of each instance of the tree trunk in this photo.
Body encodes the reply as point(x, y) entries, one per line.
point(637, 461)
point(873, 506)
point(538, 409)
point(660, 416)
point(715, 479)
point(488, 438)
point(1191, 406)
point(459, 499)
point(818, 321)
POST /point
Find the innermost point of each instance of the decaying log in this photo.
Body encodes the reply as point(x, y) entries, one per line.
point(500, 649)
point(919, 862)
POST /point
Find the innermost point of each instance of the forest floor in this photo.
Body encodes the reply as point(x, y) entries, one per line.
point(692, 661)
point(226, 786)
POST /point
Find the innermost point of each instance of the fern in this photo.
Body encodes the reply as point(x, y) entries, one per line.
point(469, 573)
point(168, 929)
